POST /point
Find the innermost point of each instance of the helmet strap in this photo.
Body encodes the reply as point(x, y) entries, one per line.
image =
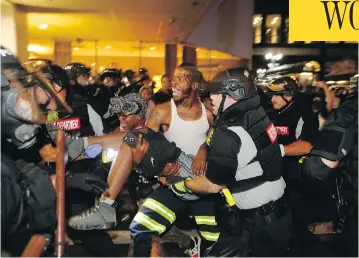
point(220, 110)
point(286, 101)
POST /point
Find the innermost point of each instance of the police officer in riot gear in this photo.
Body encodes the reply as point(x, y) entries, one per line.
point(25, 209)
point(28, 196)
point(82, 82)
point(143, 71)
point(79, 97)
point(244, 156)
point(296, 125)
point(28, 137)
point(109, 87)
point(132, 83)
point(79, 74)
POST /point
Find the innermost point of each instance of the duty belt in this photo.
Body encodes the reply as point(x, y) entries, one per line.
point(268, 212)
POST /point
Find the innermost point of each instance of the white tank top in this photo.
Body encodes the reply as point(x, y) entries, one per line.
point(188, 135)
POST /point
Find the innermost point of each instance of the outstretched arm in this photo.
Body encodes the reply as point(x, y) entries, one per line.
point(122, 166)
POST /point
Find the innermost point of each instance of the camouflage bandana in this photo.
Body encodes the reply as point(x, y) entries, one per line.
point(132, 103)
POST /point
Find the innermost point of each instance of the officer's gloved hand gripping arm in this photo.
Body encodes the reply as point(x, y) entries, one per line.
point(335, 141)
point(221, 167)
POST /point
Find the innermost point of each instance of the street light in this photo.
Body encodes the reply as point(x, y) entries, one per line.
point(273, 58)
point(278, 57)
point(260, 71)
point(268, 56)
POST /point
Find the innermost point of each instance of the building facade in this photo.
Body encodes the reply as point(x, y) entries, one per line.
point(271, 44)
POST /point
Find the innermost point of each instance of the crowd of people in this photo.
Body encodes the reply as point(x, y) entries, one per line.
point(249, 169)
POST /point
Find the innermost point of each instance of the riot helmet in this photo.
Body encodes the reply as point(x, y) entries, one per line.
point(128, 77)
point(21, 90)
point(108, 77)
point(235, 82)
point(79, 74)
point(143, 71)
point(283, 86)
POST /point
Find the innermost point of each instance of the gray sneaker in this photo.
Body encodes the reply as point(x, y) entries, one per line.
point(101, 216)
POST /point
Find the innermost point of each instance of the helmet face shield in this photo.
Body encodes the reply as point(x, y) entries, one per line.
point(126, 81)
point(84, 79)
point(22, 104)
point(24, 90)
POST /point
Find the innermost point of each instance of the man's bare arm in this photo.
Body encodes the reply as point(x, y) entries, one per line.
point(156, 118)
point(202, 185)
point(200, 160)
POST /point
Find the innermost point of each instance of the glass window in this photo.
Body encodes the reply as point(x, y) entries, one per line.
point(273, 24)
point(286, 31)
point(257, 29)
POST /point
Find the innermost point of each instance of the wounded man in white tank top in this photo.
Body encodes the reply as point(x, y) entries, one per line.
point(184, 119)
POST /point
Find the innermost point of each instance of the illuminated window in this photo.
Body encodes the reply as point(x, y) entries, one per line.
point(286, 31)
point(257, 28)
point(273, 23)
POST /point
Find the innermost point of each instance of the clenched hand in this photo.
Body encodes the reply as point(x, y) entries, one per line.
point(48, 153)
point(172, 169)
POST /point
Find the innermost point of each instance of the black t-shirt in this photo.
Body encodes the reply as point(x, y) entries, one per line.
point(161, 97)
point(222, 160)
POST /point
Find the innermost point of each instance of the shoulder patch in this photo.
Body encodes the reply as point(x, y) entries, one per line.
point(272, 133)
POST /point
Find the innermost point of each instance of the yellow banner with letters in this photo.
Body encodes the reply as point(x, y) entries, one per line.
point(324, 20)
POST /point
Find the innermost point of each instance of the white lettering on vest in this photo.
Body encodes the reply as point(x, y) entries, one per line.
point(69, 124)
point(282, 130)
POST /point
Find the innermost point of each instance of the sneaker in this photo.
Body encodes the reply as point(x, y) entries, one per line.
point(101, 216)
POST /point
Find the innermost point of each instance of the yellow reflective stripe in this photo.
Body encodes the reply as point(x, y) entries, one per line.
point(229, 198)
point(160, 209)
point(206, 220)
point(210, 236)
point(149, 223)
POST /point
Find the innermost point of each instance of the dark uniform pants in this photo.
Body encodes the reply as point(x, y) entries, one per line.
point(160, 211)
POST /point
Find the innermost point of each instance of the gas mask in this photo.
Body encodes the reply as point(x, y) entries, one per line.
point(21, 114)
